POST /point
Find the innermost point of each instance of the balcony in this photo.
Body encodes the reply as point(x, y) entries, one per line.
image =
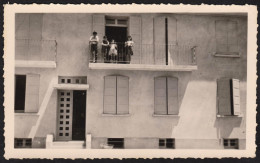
point(148, 57)
point(35, 53)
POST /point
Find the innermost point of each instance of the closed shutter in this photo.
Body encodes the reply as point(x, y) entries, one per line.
point(232, 36)
point(172, 90)
point(110, 95)
point(221, 36)
point(122, 95)
point(236, 96)
point(159, 40)
point(35, 30)
point(224, 97)
point(172, 41)
point(99, 25)
point(160, 97)
point(135, 32)
point(32, 93)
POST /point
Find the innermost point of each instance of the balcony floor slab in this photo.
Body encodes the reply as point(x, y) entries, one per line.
point(142, 67)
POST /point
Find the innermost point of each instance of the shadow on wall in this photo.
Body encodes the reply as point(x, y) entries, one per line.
point(226, 125)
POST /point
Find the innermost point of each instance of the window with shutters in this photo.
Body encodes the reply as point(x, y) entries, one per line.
point(27, 93)
point(166, 96)
point(226, 37)
point(228, 94)
point(230, 143)
point(116, 95)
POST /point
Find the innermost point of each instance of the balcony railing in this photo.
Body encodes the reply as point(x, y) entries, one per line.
point(35, 50)
point(149, 54)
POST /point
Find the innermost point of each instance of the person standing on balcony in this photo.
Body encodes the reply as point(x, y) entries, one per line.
point(129, 49)
point(105, 46)
point(93, 42)
point(113, 51)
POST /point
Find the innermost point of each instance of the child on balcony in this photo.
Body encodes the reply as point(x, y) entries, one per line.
point(93, 42)
point(105, 46)
point(113, 50)
point(129, 48)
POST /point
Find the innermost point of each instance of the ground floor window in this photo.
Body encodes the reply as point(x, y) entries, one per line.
point(116, 142)
point(230, 143)
point(167, 143)
point(22, 143)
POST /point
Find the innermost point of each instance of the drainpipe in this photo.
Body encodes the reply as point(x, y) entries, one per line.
point(166, 40)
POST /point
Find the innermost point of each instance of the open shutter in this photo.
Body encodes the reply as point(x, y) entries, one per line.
point(110, 95)
point(159, 40)
point(160, 104)
point(172, 90)
point(135, 32)
point(98, 25)
point(172, 41)
point(32, 93)
point(224, 97)
point(122, 95)
point(236, 96)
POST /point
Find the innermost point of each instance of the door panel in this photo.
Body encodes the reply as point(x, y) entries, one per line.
point(79, 115)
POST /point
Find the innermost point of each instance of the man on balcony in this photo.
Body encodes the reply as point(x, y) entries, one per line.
point(93, 42)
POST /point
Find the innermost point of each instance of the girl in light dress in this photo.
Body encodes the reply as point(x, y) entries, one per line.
point(113, 50)
point(129, 48)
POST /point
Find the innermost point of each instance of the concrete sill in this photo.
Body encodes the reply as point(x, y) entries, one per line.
point(35, 64)
point(116, 115)
point(26, 114)
point(229, 116)
point(143, 67)
point(227, 55)
point(72, 86)
point(166, 115)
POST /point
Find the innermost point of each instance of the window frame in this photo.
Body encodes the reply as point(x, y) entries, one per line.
point(228, 141)
point(23, 144)
point(165, 142)
point(116, 18)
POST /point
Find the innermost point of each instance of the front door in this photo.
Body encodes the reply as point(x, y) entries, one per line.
point(79, 114)
point(71, 115)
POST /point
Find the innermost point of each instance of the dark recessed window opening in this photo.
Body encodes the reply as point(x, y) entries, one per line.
point(116, 142)
point(22, 143)
point(230, 143)
point(167, 143)
point(20, 87)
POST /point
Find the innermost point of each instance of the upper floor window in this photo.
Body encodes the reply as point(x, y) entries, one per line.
point(226, 37)
point(20, 86)
point(166, 96)
point(228, 93)
point(112, 21)
point(116, 95)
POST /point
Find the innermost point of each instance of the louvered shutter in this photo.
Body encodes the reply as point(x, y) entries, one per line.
point(32, 93)
point(110, 95)
point(98, 25)
point(221, 36)
point(172, 41)
point(160, 98)
point(122, 95)
point(172, 90)
point(224, 97)
point(232, 36)
point(135, 32)
point(159, 40)
point(236, 96)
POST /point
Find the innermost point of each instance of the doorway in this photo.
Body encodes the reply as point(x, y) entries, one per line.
point(71, 115)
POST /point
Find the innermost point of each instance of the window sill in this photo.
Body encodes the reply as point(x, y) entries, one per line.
point(26, 114)
point(229, 116)
point(115, 115)
point(166, 115)
point(228, 55)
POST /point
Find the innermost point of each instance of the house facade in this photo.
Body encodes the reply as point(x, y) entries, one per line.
point(183, 88)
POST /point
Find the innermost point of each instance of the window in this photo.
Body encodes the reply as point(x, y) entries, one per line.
point(20, 87)
point(72, 80)
point(116, 142)
point(116, 98)
point(116, 21)
point(166, 96)
point(226, 37)
point(228, 93)
point(167, 143)
point(230, 143)
point(22, 143)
